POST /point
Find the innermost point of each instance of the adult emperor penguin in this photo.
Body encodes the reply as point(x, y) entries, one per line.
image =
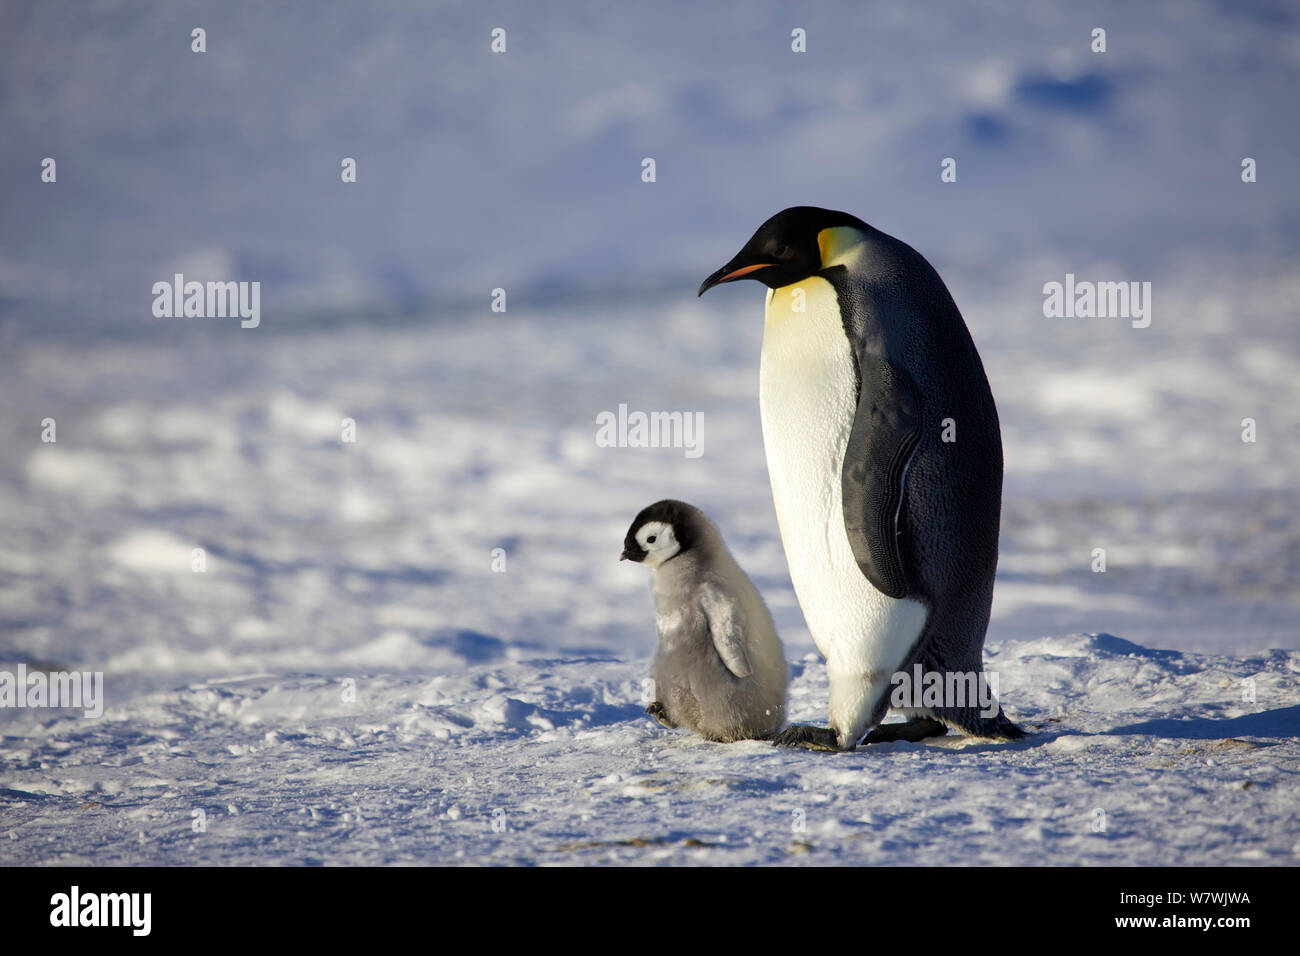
point(885, 458)
point(719, 669)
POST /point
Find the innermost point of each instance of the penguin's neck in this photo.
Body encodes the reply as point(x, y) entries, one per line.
point(842, 246)
point(675, 576)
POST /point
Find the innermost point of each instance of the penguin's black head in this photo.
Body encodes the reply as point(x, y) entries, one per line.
point(661, 532)
point(785, 249)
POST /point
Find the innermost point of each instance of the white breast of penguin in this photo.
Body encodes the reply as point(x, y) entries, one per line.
point(808, 398)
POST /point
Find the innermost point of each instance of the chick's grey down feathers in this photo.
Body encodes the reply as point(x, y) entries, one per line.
point(719, 669)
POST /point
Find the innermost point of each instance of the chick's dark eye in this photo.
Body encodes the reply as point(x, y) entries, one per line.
point(650, 540)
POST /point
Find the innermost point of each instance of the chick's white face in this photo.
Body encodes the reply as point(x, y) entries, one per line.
point(658, 541)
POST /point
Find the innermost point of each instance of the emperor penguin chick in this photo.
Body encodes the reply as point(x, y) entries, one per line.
point(720, 669)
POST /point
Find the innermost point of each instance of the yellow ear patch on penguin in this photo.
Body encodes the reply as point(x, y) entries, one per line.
point(837, 245)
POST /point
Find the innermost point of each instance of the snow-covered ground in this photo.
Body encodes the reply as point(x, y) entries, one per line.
point(519, 688)
point(419, 646)
point(1140, 758)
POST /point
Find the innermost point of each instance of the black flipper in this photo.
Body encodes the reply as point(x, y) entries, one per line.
point(885, 433)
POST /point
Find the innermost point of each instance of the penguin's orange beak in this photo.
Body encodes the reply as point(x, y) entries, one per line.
point(728, 274)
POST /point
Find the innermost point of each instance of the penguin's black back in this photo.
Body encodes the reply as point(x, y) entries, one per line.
point(896, 307)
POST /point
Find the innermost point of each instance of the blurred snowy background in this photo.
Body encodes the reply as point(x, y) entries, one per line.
point(476, 430)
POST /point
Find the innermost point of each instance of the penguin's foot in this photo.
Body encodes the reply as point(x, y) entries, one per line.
point(918, 728)
point(975, 725)
point(811, 738)
point(657, 711)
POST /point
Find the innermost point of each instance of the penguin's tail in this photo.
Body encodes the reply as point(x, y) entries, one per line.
point(969, 721)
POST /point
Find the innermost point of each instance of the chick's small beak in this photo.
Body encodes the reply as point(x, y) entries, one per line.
point(729, 273)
